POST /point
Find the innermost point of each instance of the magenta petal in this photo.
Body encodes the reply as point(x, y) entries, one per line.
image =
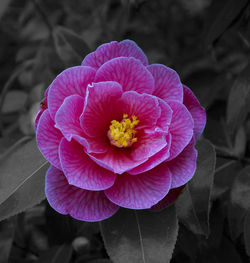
point(106, 52)
point(164, 120)
point(68, 116)
point(183, 166)
point(181, 128)
point(172, 195)
point(144, 106)
point(167, 83)
point(140, 191)
point(100, 107)
point(154, 160)
point(48, 139)
point(198, 113)
point(129, 72)
point(81, 204)
point(81, 171)
point(70, 82)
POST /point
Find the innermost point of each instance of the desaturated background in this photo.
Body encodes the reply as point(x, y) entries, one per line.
point(205, 41)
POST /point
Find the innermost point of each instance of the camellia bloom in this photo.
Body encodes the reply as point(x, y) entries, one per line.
point(117, 132)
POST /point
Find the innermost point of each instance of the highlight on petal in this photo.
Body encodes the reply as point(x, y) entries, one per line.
point(181, 128)
point(100, 107)
point(140, 191)
point(198, 113)
point(129, 72)
point(81, 171)
point(108, 51)
point(80, 204)
point(167, 83)
point(154, 160)
point(183, 166)
point(72, 81)
point(48, 139)
point(171, 197)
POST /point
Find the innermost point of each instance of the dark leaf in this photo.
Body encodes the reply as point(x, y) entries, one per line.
point(247, 233)
point(222, 19)
point(22, 177)
point(14, 101)
point(140, 236)
point(239, 100)
point(3, 6)
point(69, 46)
point(193, 205)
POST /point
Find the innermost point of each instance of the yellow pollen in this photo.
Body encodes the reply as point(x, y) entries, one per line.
point(122, 134)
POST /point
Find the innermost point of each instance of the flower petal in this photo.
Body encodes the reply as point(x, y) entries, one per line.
point(172, 195)
point(71, 81)
point(181, 128)
point(81, 171)
point(198, 113)
point(154, 160)
point(80, 204)
point(140, 191)
point(100, 107)
point(48, 139)
point(106, 52)
point(164, 120)
point(129, 72)
point(167, 83)
point(183, 166)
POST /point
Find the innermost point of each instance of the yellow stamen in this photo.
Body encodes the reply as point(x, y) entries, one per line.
point(122, 134)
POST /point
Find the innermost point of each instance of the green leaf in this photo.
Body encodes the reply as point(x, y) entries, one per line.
point(222, 19)
point(193, 205)
point(22, 176)
point(239, 100)
point(69, 46)
point(140, 235)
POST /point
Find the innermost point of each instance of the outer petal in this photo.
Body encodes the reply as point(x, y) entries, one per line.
point(106, 52)
point(183, 166)
point(172, 195)
point(48, 139)
point(167, 83)
point(154, 160)
point(100, 107)
point(81, 171)
point(129, 72)
point(198, 113)
point(140, 191)
point(80, 204)
point(181, 128)
point(71, 81)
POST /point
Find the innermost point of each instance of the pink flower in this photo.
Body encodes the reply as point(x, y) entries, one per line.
point(117, 132)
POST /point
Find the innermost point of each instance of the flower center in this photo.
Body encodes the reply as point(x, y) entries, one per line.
point(122, 134)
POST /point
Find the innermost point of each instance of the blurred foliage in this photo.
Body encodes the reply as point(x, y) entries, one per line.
point(206, 41)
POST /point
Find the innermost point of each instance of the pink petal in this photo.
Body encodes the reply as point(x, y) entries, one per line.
point(183, 166)
point(172, 195)
point(167, 83)
point(140, 191)
point(71, 81)
point(100, 107)
point(181, 128)
point(164, 120)
point(81, 204)
point(129, 72)
point(154, 160)
point(48, 139)
point(81, 171)
point(198, 113)
point(106, 52)
point(145, 107)
point(68, 116)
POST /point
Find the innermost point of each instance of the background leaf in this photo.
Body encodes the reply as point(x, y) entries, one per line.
point(247, 233)
point(193, 205)
point(69, 46)
point(140, 236)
